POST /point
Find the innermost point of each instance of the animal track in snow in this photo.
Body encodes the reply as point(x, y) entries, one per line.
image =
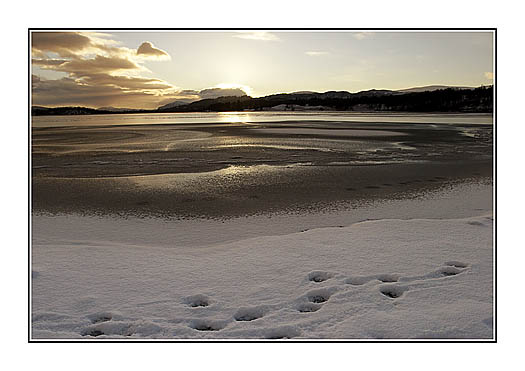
point(387, 277)
point(318, 296)
point(449, 271)
point(92, 332)
point(285, 332)
point(476, 223)
point(319, 276)
point(444, 271)
point(249, 314)
point(451, 268)
point(119, 328)
point(197, 301)
point(100, 317)
point(361, 280)
point(457, 264)
point(206, 325)
point(392, 291)
point(308, 307)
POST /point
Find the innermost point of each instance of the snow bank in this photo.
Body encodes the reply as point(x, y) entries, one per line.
point(419, 278)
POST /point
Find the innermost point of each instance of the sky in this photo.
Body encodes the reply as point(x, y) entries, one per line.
point(147, 69)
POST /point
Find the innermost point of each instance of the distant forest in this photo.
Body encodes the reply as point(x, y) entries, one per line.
point(445, 100)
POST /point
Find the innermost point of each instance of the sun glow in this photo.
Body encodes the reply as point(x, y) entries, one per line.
point(244, 88)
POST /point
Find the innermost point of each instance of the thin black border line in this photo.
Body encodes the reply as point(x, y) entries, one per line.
point(495, 138)
point(202, 341)
point(259, 342)
point(266, 29)
point(29, 188)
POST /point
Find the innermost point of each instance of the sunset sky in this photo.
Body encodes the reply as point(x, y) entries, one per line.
point(147, 69)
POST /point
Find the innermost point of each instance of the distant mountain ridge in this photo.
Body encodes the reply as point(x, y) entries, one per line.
point(433, 98)
point(420, 89)
point(176, 103)
point(115, 109)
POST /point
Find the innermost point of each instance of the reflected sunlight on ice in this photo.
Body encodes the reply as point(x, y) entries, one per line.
point(234, 117)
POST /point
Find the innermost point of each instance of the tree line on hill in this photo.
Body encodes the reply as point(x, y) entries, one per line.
point(443, 100)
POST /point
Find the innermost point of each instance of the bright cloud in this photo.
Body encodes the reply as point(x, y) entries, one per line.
point(147, 49)
point(361, 35)
point(221, 92)
point(261, 36)
point(316, 53)
point(489, 75)
point(244, 88)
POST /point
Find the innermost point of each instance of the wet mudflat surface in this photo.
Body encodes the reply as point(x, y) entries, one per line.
point(244, 168)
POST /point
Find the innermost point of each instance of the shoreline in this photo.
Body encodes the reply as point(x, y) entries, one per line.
point(462, 200)
point(254, 190)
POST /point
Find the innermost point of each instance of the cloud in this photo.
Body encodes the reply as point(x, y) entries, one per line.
point(261, 36)
point(73, 44)
point(66, 91)
point(147, 49)
point(69, 92)
point(117, 91)
point(188, 96)
point(361, 35)
point(127, 82)
point(65, 44)
point(85, 67)
point(98, 71)
point(218, 92)
point(101, 73)
point(489, 75)
point(48, 63)
point(316, 53)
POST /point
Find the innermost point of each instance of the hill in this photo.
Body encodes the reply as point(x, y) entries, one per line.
point(420, 89)
point(429, 99)
point(440, 100)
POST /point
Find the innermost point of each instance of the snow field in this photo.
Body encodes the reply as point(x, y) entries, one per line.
point(395, 279)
